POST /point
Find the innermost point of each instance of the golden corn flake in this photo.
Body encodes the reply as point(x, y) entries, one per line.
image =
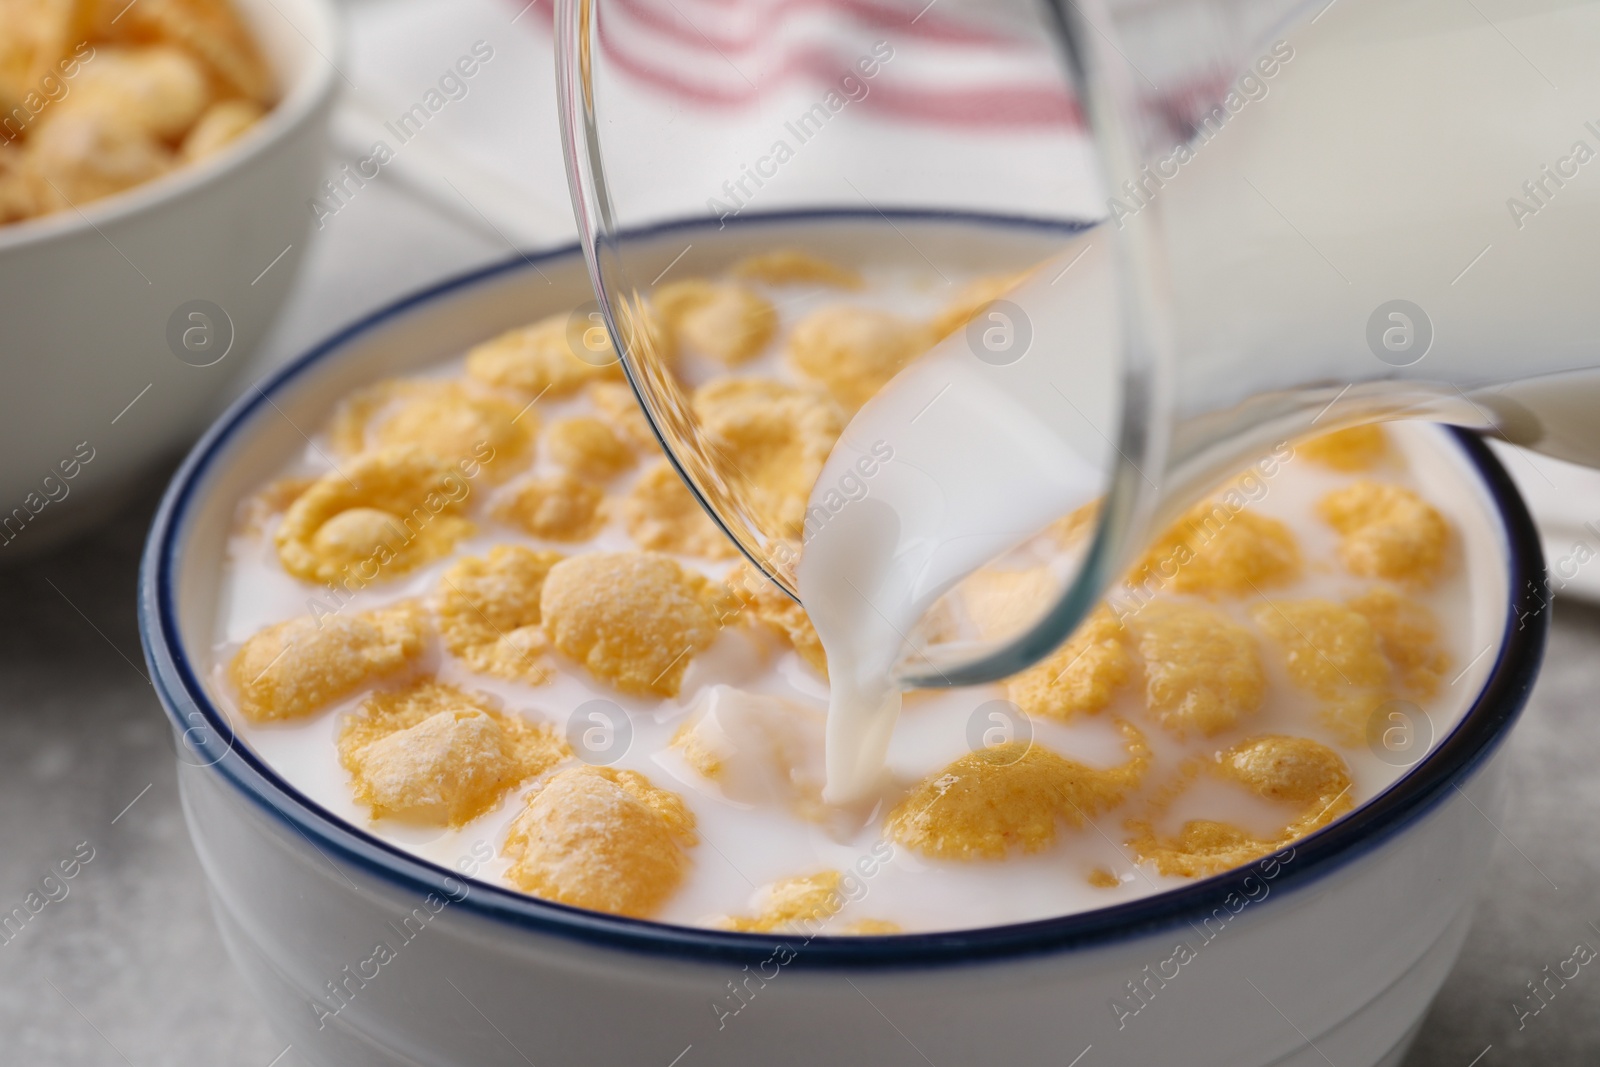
point(620, 408)
point(588, 447)
point(383, 513)
point(441, 756)
point(1216, 550)
point(872, 928)
point(778, 612)
point(556, 508)
point(790, 904)
point(207, 29)
point(1348, 715)
point(222, 124)
point(1010, 796)
point(298, 667)
point(1001, 602)
point(774, 438)
point(84, 155)
point(1102, 878)
point(1388, 532)
point(793, 266)
point(1082, 676)
point(489, 611)
point(661, 514)
point(633, 619)
point(1290, 770)
point(444, 419)
point(854, 351)
point(1409, 635)
point(1328, 648)
point(1359, 448)
point(1202, 670)
point(160, 90)
point(729, 323)
point(1070, 530)
point(601, 839)
point(973, 298)
point(1202, 847)
point(540, 359)
point(38, 34)
point(1293, 769)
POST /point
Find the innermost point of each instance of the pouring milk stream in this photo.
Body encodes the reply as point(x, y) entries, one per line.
point(1406, 225)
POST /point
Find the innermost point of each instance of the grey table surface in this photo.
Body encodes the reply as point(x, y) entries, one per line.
point(129, 969)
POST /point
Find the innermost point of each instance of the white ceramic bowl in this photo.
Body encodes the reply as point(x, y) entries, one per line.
point(90, 296)
point(362, 954)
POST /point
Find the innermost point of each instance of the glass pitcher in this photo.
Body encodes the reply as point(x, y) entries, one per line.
point(1306, 216)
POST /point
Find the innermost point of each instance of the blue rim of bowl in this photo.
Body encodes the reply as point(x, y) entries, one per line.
point(205, 731)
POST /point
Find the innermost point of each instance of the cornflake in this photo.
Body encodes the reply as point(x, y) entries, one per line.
point(1216, 551)
point(159, 90)
point(778, 612)
point(587, 447)
point(84, 155)
point(793, 266)
point(775, 438)
point(1291, 770)
point(556, 508)
point(1010, 796)
point(222, 124)
point(539, 359)
point(999, 602)
point(206, 29)
point(854, 351)
point(441, 756)
point(1082, 676)
point(299, 667)
point(1070, 530)
point(1389, 532)
point(601, 839)
point(660, 514)
point(444, 419)
point(1328, 648)
point(619, 407)
point(1202, 670)
point(1102, 878)
point(38, 33)
point(388, 511)
point(789, 904)
point(973, 298)
point(1202, 847)
point(1359, 448)
point(489, 611)
point(729, 323)
point(1409, 636)
point(633, 619)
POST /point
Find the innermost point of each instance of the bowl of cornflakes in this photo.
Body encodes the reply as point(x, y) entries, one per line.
point(156, 160)
point(494, 753)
